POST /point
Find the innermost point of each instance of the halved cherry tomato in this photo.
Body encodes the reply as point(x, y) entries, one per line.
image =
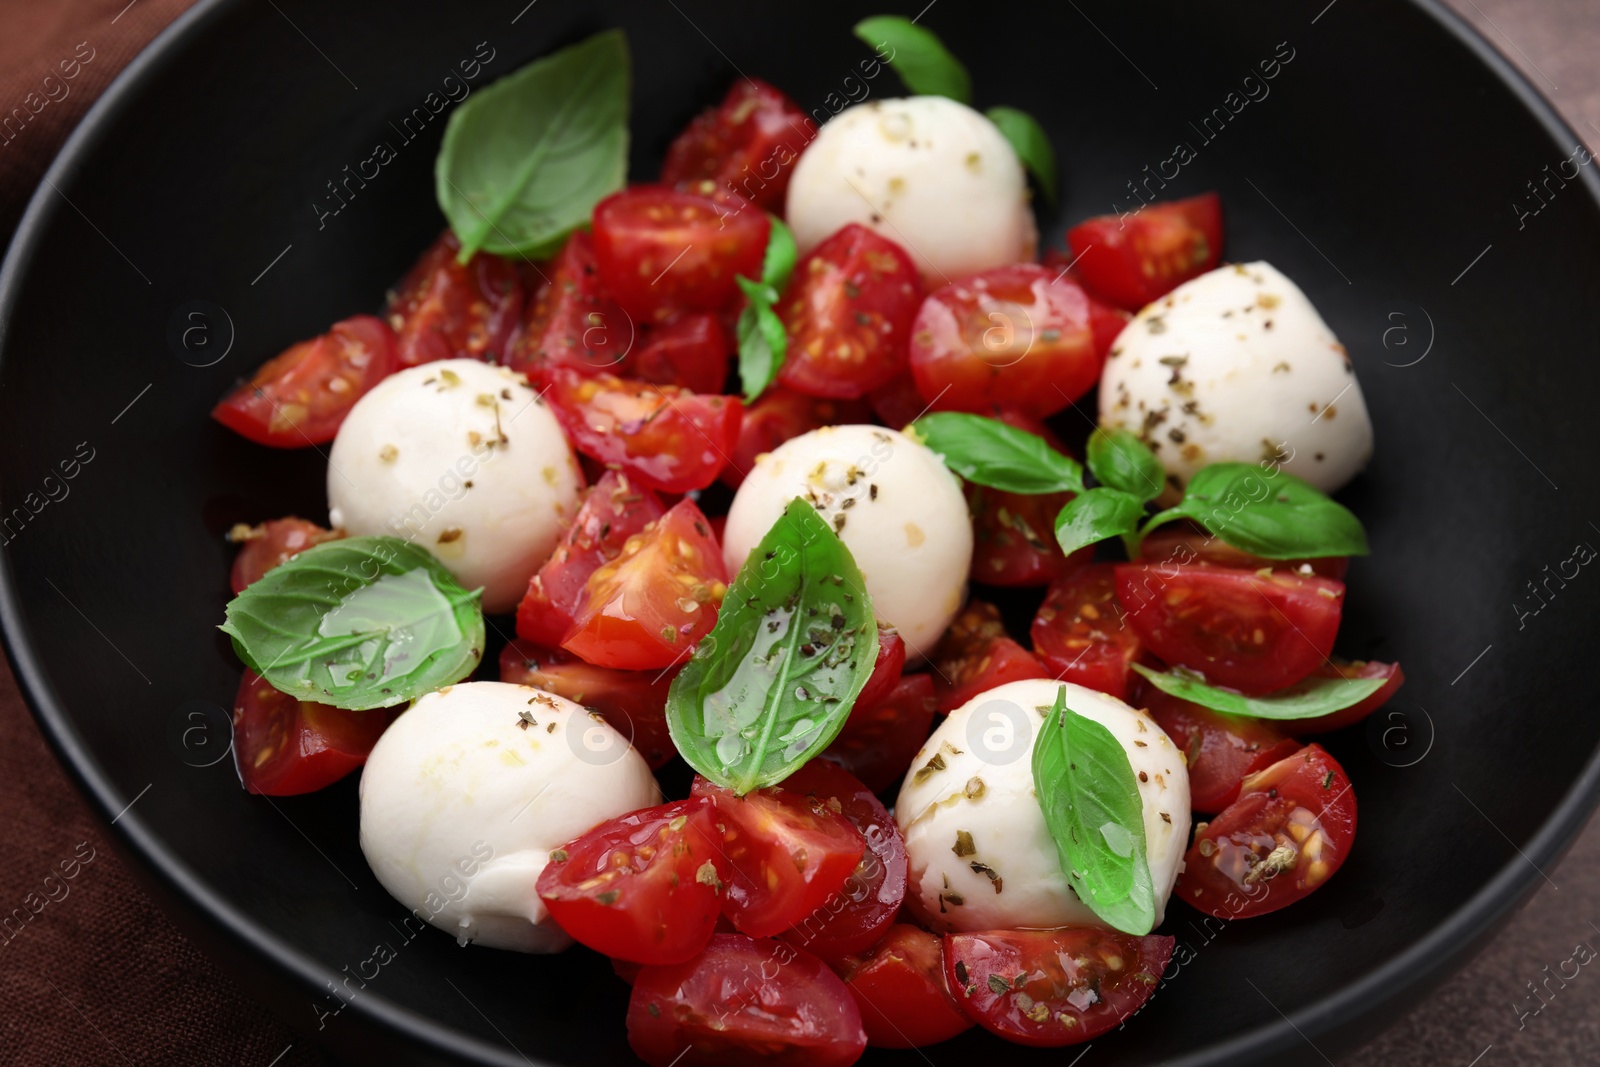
point(900, 986)
point(1049, 988)
point(1081, 634)
point(270, 544)
point(744, 1000)
point(443, 310)
point(857, 916)
point(790, 855)
point(848, 309)
point(748, 143)
point(880, 739)
point(300, 397)
point(570, 320)
point(1338, 668)
point(898, 403)
point(645, 887)
point(613, 510)
point(1016, 337)
point(646, 608)
point(633, 702)
point(975, 655)
point(1242, 629)
point(1013, 538)
point(886, 668)
point(284, 747)
point(1291, 828)
point(690, 351)
point(1105, 322)
point(1183, 543)
point(1131, 260)
point(1221, 750)
point(660, 250)
point(775, 417)
point(662, 436)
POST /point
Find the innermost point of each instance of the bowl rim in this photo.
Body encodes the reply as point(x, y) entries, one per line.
point(1427, 961)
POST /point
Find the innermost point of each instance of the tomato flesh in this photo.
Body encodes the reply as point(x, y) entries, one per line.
point(1393, 678)
point(1221, 750)
point(691, 351)
point(570, 321)
point(1134, 259)
point(272, 543)
point(443, 309)
point(975, 655)
point(1081, 634)
point(776, 416)
point(880, 739)
point(1181, 543)
point(899, 985)
point(284, 747)
point(1013, 538)
point(633, 702)
point(747, 143)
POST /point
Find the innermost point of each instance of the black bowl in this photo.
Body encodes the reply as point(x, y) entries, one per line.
point(1379, 168)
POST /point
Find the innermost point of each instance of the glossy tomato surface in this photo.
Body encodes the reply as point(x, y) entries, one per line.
point(570, 320)
point(880, 739)
point(1014, 540)
point(691, 351)
point(1393, 678)
point(1134, 259)
point(1081, 633)
point(633, 702)
point(283, 746)
point(779, 414)
point(748, 143)
point(270, 544)
point(1220, 750)
point(975, 655)
point(1182, 543)
point(886, 668)
point(443, 309)
point(900, 986)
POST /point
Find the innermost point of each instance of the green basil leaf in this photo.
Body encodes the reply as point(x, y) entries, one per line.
point(918, 56)
point(525, 160)
point(364, 622)
point(1271, 514)
point(1031, 144)
point(763, 341)
point(1096, 514)
point(1308, 699)
point(1117, 458)
point(988, 452)
point(1092, 806)
point(774, 681)
point(778, 263)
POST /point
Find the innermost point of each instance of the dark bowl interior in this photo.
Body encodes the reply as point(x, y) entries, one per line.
point(1379, 162)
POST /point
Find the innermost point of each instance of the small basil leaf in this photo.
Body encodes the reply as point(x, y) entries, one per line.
point(1273, 515)
point(988, 452)
point(763, 341)
point(773, 682)
point(1096, 514)
point(1308, 699)
point(918, 56)
point(525, 160)
point(778, 263)
point(365, 622)
point(1117, 458)
point(1031, 144)
point(1091, 804)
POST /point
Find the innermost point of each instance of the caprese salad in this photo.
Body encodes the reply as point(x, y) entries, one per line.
point(736, 454)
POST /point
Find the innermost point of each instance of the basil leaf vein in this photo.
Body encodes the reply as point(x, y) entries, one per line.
point(763, 341)
point(1307, 699)
point(1117, 458)
point(988, 452)
point(1031, 144)
point(923, 62)
point(1096, 514)
point(1273, 514)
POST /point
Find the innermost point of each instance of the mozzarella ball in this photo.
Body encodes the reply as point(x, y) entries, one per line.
point(464, 797)
point(931, 175)
point(464, 459)
point(980, 855)
point(1237, 366)
point(893, 503)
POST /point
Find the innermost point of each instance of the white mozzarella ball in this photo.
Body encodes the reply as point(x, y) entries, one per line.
point(464, 797)
point(894, 504)
point(1237, 366)
point(932, 175)
point(980, 854)
point(464, 459)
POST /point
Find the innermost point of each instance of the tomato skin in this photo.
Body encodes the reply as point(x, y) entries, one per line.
point(1182, 543)
point(691, 351)
point(886, 668)
point(644, 887)
point(444, 310)
point(613, 510)
point(900, 986)
point(776, 416)
point(1013, 538)
point(1242, 629)
point(645, 609)
point(1301, 809)
point(633, 702)
point(1017, 337)
point(744, 1000)
point(570, 320)
point(790, 855)
point(975, 655)
point(1221, 750)
point(1135, 259)
point(1081, 633)
point(273, 542)
point(661, 250)
point(880, 739)
point(848, 310)
point(301, 396)
point(1064, 968)
point(1336, 720)
point(749, 143)
point(898, 403)
point(283, 747)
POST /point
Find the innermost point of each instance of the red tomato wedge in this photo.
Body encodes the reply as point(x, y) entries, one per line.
point(633, 702)
point(886, 668)
point(270, 544)
point(1049, 988)
point(691, 351)
point(899, 985)
point(779, 414)
point(661, 436)
point(1221, 750)
point(300, 398)
point(444, 310)
point(898, 404)
point(880, 739)
point(1393, 677)
point(1181, 543)
point(645, 609)
point(1131, 260)
point(570, 321)
point(661, 250)
point(1242, 629)
point(1080, 632)
point(790, 855)
point(284, 747)
point(613, 510)
point(1016, 338)
point(1290, 830)
point(848, 310)
point(744, 1000)
point(645, 887)
point(975, 655)
point(857, 917)
point(1014, 540)
point(748, 143)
